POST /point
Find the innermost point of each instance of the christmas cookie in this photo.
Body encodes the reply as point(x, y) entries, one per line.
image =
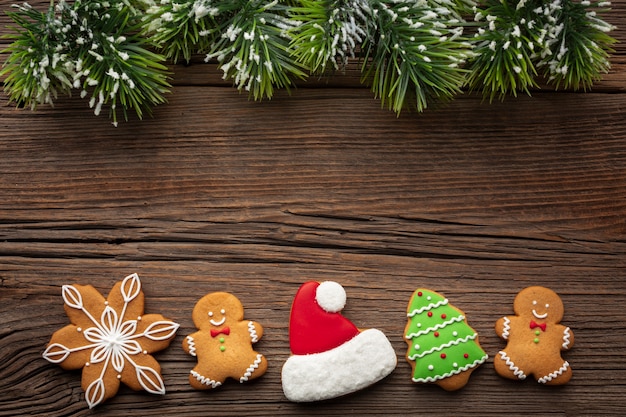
point(223, 344)
point(535, 338)
point(443, 349)
point(331, 357)
point(111, 340)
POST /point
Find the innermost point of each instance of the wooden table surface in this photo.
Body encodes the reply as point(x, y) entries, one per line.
point(219, 193)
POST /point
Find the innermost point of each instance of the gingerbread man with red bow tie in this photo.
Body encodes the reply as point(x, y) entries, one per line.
point(223, 344)
point(535, 339)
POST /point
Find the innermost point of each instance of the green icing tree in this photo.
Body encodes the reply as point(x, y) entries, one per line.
point(443, 348)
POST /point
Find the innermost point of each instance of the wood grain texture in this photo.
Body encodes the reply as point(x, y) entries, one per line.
point(216, 192)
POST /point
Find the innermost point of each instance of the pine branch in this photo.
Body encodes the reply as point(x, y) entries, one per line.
point(89, 46)
point(183, 27)
point(518, 38)
point(249, 39)
point(413, 54)
point(329, 32)
point(504, 50)
point(577, 45)
point(37, 72)
point(253, 48)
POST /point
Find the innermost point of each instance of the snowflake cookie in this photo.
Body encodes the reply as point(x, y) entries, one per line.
point(111, 340)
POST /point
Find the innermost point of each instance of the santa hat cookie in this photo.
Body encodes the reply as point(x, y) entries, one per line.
point(331, 357)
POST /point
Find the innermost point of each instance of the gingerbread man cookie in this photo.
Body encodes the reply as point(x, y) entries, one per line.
point(223, 344)
point(535, 338)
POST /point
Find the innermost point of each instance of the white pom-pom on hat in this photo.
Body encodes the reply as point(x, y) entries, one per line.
point(330, 296)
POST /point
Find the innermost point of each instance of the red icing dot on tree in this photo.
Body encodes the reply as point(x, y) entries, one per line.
point(443, 316)
point(419, 294)
point(443, 356)
point(466, 356)
point(436, 334)
point(430, 314)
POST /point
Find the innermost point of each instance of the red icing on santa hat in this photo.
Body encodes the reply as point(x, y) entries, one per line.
point(316, 325)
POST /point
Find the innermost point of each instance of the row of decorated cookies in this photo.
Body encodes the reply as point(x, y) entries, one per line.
point(112, 340)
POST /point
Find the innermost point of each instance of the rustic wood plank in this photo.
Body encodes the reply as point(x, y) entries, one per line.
point(216, 192)
point(473, 202)
point(527, 157)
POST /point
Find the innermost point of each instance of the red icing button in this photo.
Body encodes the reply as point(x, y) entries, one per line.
point(443, 316)
point(313, 330)
point(419, 294)
point(466, 356)
point(430, 314)
point(436, 334)
point(443, 356)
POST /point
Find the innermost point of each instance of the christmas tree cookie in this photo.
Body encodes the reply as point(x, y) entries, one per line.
point(442, 348)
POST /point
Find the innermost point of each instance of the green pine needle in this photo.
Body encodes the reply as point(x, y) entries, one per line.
point(36, 72)
point(504, 47)
point(579, 49)
point(91, 46)
point(413, 55)
point(516, 39)
point(412, 52)
point(253, 48)
point(182, 28)
point(329, 32)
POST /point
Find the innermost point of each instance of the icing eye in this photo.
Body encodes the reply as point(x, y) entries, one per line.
point(547, 305)
point(534, 302)
point(223, 311)
point(210, 314)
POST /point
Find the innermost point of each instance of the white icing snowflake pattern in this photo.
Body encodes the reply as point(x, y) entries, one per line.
point(115, 340)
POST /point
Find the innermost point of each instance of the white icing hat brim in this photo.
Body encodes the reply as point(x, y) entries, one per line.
point(354, 365)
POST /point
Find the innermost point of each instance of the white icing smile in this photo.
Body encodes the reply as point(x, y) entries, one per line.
point(537, 315)
point(219, 323)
